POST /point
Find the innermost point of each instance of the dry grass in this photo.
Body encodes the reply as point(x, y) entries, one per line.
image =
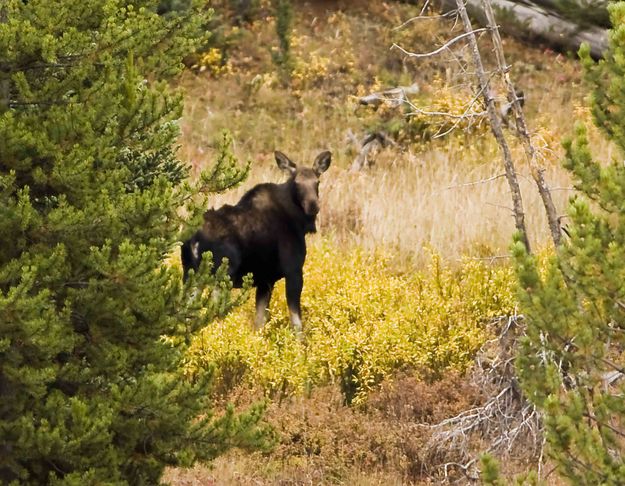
point(429, 200)
point(444, 198)
point(238, 470)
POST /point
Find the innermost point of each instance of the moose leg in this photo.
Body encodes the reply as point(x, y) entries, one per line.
point(263, 296)
point(294, 284)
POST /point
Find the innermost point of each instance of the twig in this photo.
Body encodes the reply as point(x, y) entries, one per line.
point(425, 6)
point(476, 97)
point(464, 116)
point(424, 17)
point(440, 49)
point(491, 258)
point(474, 183)
point(500, 206)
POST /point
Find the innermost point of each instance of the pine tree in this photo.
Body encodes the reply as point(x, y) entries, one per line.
point(94, 323)
point(571, 361)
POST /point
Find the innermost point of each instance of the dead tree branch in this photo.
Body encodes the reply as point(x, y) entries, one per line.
point(491, 111)
point(511, 425)
point(440, 49)
point(371, 142)
point(424, 17)
point(459, 118)
point(394, 96)
point(475, 183)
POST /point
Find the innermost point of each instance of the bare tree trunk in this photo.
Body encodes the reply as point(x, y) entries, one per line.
point(495, 124)
point(530, 151)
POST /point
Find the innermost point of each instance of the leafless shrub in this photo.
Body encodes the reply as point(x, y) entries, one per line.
point(506, 424)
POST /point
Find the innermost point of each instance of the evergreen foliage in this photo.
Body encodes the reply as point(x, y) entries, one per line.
point(94, 324)
point(244, 10)
point(572, 357)
point(490, 475)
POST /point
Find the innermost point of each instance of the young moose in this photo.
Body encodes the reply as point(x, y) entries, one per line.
point(264, 234)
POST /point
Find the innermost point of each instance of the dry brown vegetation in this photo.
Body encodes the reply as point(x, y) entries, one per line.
point(441, 193)
point(324, 442)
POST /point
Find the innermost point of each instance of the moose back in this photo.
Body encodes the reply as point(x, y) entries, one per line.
point(264, 234)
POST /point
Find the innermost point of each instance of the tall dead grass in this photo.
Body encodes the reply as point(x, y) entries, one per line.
point(448, 196)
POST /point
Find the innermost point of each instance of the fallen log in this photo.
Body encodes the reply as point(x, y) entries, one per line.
point(528, 19)
point(584, 12)
point(394, 96)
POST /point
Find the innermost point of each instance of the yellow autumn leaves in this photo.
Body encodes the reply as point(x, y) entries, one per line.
point(362, 322)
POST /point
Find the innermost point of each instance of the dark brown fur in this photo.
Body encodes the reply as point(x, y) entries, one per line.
point(264, 234)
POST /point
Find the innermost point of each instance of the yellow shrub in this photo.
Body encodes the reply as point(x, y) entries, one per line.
point(213, 62)
point(309, 72)
point(446, 108)
point(362, 322)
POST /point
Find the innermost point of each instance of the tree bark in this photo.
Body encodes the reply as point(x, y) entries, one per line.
point(535, 19)
point(495, 124)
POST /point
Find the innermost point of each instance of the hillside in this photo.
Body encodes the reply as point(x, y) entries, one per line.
point(419, 192)
point(431, 212)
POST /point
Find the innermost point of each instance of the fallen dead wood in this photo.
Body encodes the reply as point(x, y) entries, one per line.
point(594, 12)
point(369, 144)
point(528, 19)
point(506, 420)
point(394, 96)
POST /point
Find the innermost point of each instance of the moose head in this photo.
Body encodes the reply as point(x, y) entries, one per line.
point(305, 180)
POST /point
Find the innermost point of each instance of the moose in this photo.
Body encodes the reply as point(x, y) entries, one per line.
point(264, 234)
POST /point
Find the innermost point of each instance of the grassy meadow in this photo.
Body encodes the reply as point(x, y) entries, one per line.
point(410, 264)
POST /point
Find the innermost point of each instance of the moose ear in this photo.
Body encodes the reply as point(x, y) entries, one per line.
point(322, 162)
point(284, 162)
